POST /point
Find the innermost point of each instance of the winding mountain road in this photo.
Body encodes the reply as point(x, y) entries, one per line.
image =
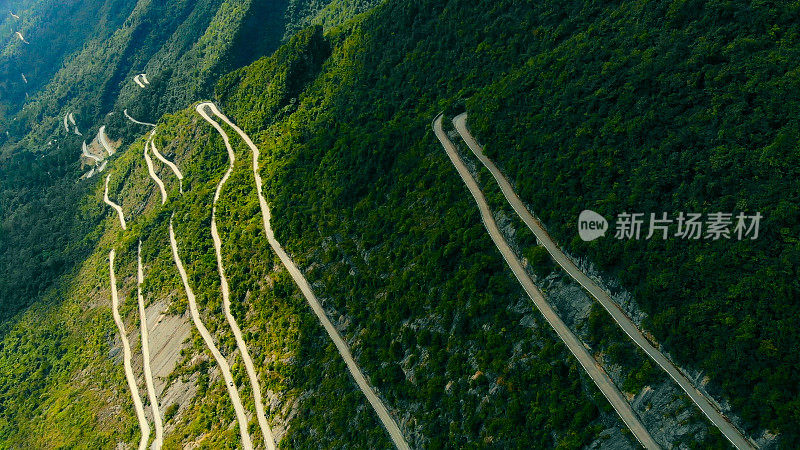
point(572, 342)
point(74, 124)
point(66, 125)
point(102, 137)
point(126, 357)
point(137, 81)
point(714, 415)
point(383, 414)
point(152, 172)
point(269, 440)
point(169, 164)
point(19, 35)
point(85, 152)
point(148, 373)
point(13, 15)
point(114, 205)
point(241, 417)
point(125, 111)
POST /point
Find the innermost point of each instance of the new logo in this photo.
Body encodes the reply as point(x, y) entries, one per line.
point(591, 225)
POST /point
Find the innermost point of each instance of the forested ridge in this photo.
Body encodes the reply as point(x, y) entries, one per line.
point(184, 46)
point(695, 115)
point(627, 106)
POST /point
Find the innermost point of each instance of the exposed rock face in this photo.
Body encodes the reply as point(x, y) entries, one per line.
point(168, 336)
point(663, 408)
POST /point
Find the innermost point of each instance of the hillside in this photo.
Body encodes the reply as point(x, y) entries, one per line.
point(696, 115)
point(631, 106)
point(184, 47)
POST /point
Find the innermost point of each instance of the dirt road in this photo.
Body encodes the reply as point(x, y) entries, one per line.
point(575, 346)
point(624, 322)
point(383, 414)
point(269, 440)
point(151, 170)
point(125, 111)
point(233, 393)
point(116, 207)
point(126, 357)
point(148, 373)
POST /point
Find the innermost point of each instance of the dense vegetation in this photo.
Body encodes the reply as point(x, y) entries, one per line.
point(636, 105)
point(184, 47)
point(383, 205)
point(54, 32)
point(682, 107)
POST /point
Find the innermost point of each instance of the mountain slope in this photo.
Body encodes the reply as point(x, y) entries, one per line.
point(185, 47)
point(311, 396)
point(582, 105)
point(696, 116)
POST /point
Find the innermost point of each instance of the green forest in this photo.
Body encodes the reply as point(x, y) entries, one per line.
point(691, 116)
point(638, 106)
